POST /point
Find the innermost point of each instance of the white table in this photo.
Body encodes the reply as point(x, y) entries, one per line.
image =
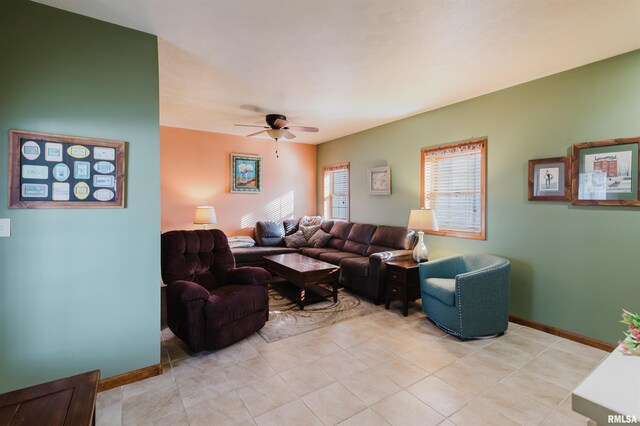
point(613, 388)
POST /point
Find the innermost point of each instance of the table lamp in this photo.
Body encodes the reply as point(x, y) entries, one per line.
point(205, 215)
point(421, 220)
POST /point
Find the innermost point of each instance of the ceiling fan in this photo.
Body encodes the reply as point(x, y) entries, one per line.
point(277, 127)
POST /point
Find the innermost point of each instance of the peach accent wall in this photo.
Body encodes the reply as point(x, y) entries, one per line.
point(194, 170)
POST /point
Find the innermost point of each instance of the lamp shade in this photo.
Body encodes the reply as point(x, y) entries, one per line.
point(422, 219)
point(205, 215)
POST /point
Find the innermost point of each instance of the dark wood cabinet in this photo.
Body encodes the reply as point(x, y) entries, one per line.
point(70, 402)
point(403, 283)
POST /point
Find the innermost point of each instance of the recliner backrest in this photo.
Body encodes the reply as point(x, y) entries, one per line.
point(359, 238)
point(340, 232)
point(201, 256)
point(389, 238)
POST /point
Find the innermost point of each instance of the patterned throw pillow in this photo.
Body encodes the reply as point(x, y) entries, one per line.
point(308, 231)
point(319, 239)
point(311, 220)
point(296, 240)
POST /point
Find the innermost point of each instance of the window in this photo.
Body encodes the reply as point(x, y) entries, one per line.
point(335, 191)
point(453, 184)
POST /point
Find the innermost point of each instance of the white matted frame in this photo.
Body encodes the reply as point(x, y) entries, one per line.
point(379, 180)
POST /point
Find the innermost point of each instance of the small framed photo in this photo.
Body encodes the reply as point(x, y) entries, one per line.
point(550, 179)
point(379, 180)
point(246, 173)
point(605, 173)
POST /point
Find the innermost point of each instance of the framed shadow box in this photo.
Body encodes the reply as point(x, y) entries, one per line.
point(60, 171)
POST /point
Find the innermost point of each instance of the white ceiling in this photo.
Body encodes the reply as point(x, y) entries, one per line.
point(350, 65)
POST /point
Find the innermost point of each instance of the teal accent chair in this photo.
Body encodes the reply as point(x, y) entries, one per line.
point(468, 295)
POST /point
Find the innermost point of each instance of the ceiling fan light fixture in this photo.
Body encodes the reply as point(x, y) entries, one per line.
point(276, 133)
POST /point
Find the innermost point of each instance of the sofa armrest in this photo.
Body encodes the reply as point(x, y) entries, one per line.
point(386, 256)
point(377, 269)
point(249, 275)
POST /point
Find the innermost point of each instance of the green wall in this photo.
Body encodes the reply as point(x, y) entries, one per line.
point(573, 267)
point(79, 288)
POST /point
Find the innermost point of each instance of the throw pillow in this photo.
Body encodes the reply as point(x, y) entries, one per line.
point(308, 231)
point(296, 240)
point(319, 239)
point(241, 242)
point(311, 220)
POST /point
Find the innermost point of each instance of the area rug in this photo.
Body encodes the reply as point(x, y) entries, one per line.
point(286, 319)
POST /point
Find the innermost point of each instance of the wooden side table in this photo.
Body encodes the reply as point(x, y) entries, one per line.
point(403, 283)
point(70, 401)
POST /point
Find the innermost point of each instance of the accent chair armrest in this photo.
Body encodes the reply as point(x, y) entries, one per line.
point(447, 267)
point(249, 275)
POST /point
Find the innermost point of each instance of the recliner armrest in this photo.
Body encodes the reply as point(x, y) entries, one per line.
point(189, 291)
point(249, 275)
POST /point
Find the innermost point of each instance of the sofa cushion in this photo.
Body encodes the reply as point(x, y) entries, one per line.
point(340, 232)
point(443, 289)
point(388, 238)
point(269, 233)
point(316, 252)
point(251, 255)
point(327, 225)
point(231, 303)
point(355, 266)
point(359, 238)
point(336, 256)
point(296, 240)
point(319, 239)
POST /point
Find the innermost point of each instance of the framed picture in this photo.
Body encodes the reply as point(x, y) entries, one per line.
point(379, 181)
point(59, 171)
point(246, 173)
point(550, 179)
point(605, 173)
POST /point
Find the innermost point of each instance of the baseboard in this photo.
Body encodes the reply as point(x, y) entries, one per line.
point(598, 344)
point(130, 377)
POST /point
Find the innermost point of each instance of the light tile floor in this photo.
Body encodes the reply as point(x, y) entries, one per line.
point(379, 369)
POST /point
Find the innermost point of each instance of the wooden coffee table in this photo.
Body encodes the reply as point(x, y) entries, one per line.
point(304, 271)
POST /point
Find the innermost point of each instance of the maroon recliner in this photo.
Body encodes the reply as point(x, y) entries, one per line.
point(211, 303)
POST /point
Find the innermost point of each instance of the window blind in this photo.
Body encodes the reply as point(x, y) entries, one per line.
point(336, 191)
point(453, 182)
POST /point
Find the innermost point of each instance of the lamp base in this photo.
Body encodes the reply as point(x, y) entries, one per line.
point(420, 250)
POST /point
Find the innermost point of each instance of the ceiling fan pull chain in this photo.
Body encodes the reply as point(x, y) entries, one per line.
point(277, 149)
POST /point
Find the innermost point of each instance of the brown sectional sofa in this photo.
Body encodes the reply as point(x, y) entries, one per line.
point(361, 250)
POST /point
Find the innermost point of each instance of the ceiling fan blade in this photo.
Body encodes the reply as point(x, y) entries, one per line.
point(288, 135)
point(257, 133)
point(254, 108)
point(304, 128)
point(250, 125)
point(280, 123)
